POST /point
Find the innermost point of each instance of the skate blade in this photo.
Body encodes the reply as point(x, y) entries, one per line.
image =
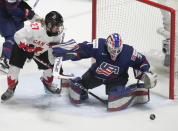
point(7, 100)
point(3, 70)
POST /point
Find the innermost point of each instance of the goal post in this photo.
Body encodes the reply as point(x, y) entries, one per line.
point(136, 21)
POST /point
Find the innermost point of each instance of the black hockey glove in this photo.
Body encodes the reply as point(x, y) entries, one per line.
point(29, 13)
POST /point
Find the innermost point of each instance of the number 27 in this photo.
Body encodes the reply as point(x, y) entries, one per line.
point(35, 26)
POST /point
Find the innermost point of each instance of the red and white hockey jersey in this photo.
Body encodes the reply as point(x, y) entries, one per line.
point(35, 34)
point(33, 38)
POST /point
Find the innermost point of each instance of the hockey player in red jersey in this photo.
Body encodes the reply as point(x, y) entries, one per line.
point(33, 41)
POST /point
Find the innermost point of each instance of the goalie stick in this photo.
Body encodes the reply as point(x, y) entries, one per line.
point(35, 4)
point(56, 70)
point(105, 102)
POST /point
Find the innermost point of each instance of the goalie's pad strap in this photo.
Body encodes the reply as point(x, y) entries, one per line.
point(128, 97)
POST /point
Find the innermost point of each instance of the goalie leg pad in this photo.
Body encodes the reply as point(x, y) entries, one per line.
point(125, 97)
point(65, 83)
point(76, 93)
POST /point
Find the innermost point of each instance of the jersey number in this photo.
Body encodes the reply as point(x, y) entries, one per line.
point(35, 26)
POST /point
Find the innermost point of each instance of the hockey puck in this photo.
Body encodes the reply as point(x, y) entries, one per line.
point(152, 116)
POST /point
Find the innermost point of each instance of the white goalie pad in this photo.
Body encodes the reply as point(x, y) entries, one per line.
point(65, 83)
point(138, 96)
point(74, 96)
point(150, 80)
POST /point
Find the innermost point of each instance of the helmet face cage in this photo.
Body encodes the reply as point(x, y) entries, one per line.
point(51, 27)
point(53, 20)
point(114, 45)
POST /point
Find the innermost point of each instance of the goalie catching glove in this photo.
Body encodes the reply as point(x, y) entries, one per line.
point(149, 79)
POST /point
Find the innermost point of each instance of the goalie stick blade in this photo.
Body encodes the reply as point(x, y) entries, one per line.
point(57, 66)
point(105, 102)
point(67, 77)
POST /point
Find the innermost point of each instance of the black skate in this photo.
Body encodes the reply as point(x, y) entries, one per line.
point(4, 64)
point(8, 94)
point(52, 88)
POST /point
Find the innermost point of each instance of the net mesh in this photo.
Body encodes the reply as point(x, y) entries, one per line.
point(137, 23)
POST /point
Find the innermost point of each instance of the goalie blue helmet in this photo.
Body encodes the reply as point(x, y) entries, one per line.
point(114, 45)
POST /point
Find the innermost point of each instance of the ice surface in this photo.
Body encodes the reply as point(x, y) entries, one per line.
point(32, 109)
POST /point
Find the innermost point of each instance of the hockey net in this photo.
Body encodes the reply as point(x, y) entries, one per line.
point(137, 22)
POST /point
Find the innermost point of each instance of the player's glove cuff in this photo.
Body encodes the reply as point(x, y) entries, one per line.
point(29, 14)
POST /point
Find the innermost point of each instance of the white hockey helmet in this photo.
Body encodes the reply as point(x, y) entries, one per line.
point(114, 45)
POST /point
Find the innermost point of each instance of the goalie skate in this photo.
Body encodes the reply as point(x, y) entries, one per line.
point(4, 66)
point(51, 88)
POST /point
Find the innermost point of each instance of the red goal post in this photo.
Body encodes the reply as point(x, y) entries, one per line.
point(104, 18)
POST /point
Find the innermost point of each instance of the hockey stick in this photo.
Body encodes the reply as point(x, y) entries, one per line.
point(92, 94)
point(42, 62)
point(35, 4)
point(105, 102)
point(56, 70)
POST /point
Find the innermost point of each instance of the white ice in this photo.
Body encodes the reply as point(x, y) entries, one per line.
point(32, 109)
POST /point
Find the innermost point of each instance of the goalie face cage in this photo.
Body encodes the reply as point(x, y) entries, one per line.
point(136, 21)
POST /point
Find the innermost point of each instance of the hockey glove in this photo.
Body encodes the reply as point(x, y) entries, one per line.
point(149, 79)
point(32, 49)
point(28, 12)
point(29, 47)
